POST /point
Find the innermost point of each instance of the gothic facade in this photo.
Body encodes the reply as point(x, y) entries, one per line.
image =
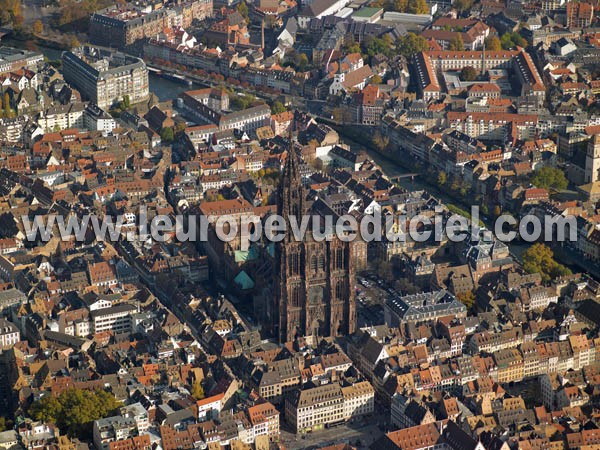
point(313, 281)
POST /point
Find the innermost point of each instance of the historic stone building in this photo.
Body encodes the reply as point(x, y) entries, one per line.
point(313, 281)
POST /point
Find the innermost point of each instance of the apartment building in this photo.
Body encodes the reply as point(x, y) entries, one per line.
point(13, 59)
point(139, 414)
point(209, 408)
point(247, 120)
point(9, 334)
point(106, 77)
point(579, 14)
point(279, 378)
point(265, 420)
point(529, 78)
point(102, 275)
point(62, 117)
point(122, 25)
point(510, 365)
point(490, 342)
point(315, 408)
point(494, 126)
point(538, 297)
point(359, 400)
point(113, 429)
point(405, 412)
point(116, 318)
point(423, 307)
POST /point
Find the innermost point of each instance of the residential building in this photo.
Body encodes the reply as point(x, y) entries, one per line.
point(106, 77)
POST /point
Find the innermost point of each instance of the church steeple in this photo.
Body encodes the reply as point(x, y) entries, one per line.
point(291, 195)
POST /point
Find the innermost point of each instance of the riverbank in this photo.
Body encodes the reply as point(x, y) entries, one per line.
point(397, 166)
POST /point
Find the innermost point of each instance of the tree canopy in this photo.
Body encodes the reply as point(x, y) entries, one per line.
point(417, 7)
point(242, 8)
point(301, 61)
point(463, 5)
point(493, 43)
point(410, 44)
point(550, 178)
point(457, 43)
point(468, 74)
point(512, 40)
point(374, 45)
point(242, 101)
point(10, 10)
point(380, 141)
point(198, 391)
point(167, 134)
point(74, 410)
point(467, 299)
point(277, 107)
point(38, 27)
point(404, 6)
point(539, 258)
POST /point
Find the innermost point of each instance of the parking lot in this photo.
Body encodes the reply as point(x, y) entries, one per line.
point(371, 293)
point(360, 434)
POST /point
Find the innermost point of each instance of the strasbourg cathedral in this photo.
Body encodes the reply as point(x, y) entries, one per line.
point(313, 286)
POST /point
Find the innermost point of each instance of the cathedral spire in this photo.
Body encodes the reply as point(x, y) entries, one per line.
point(291, 195)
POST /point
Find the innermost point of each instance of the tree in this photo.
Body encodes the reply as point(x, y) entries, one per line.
point(5, 424)
point(467, 299)
point(380, 141)
point(197, 391)
point(242, 101)
point(11, 9)
point(463, 5)
point(352, 47)
point(468, 74)
point(374, 45)
point(6, 103)
point(242, 8)
point(511, 40)
point(74, 410)
point(400, 5)
point(167, 135)
point(506, 41)
point(301, 61)
point(417, 7)
point(539, 258)
point(277, 107)
point(179, 128)
point(74, 42)
point(411, 44)
point(126, 101)
point(376, 79)
point(442, 178)
point(492, 43)
point(406, 287)
point(38, 27)
point(519, 40)
point(550, 178)
point(48, 409)
point(457, 43)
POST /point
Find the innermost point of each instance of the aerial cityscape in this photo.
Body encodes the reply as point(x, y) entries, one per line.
point(300, 224)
